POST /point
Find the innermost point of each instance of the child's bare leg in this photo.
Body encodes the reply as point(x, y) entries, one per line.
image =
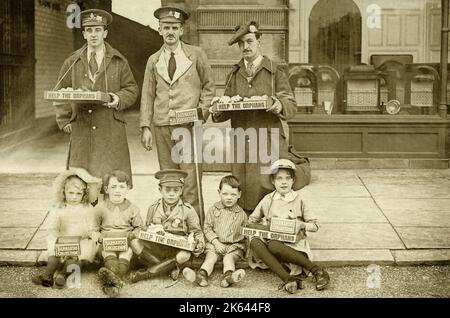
point(201, 277)
point(231, 276)
point(210, 260)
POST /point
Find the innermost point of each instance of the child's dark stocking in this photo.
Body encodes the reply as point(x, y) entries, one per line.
point(109, 273)
point(60, 278)
point(261, 250)
point(124, 266)
point(289, 255)
point(147, 258)
point(154, 271)
point(46, 279)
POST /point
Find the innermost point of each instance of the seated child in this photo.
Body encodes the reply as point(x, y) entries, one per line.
point(118, 217)
point(72, 217)
point(176, 217)
point(223, 227)
point(285, 203)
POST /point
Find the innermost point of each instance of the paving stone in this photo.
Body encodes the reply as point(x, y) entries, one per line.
point(422, 257)
point(352, 164)
point(323, 164)
point(21, 205)
point(430, 191)
point(39, 241)
point(388, 163)
point(22, 219)
point(418, 218)
point(340, 177)
point(355, 236)
point(412, 205)
point(323, 190)
point(429, 164)
point(424, 237)
point(18, 257)
point(15, 238)
point(353, 257)
point(346, 210)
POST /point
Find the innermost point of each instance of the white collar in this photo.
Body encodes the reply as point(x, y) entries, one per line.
point(291, 196)
point(99, 51)
point(177, 51)
point(256, 62)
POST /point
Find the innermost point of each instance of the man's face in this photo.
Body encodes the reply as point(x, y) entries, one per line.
point(170, 194)
point(249, 46)
point(95, 36)
point(171, 32)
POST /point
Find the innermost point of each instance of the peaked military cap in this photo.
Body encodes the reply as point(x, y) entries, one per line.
point(171, 177)
point(95, 17)
point(171, 14)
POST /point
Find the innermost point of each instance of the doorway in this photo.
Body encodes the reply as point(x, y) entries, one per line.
point(335, 33)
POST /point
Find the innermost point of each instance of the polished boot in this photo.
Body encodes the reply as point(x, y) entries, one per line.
point(153, 271)
point(146, 257)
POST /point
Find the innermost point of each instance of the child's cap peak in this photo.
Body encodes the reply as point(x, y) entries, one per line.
point(171, 177)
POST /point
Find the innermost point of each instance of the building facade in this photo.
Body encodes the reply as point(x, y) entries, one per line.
point(366, 74)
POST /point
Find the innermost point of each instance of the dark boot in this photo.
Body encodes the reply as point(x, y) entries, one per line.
point(322, 279)
point(154, 271)
point(46, 279)
point(292, 284)
point(109, 274)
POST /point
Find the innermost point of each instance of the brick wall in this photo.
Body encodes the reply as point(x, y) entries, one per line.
point(53, 44)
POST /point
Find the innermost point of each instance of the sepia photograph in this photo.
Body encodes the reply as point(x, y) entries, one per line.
point(248, 151)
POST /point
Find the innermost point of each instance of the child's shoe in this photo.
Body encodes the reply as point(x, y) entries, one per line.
point(189, 274)
point(60, 280)
point(322, 279)
point(107, 277)
point(45, 280)
point(230, 278)
point(202, 278)
point(175, 273)
point(292, 285)
point(111, 291)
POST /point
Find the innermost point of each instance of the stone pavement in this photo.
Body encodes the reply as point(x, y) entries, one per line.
point(383, 217)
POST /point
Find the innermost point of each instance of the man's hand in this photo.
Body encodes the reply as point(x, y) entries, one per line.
point(219, 246)
point(276, 107)
point(67, 129)
point(213, 109)
point(147, 139)
point(114, 103)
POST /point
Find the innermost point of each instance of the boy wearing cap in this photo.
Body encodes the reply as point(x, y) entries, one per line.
point(176, 217)
point(178, 77)
point(98, 136)
point(256, 75)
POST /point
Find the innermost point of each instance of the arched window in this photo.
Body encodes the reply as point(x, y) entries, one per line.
point(335, 33)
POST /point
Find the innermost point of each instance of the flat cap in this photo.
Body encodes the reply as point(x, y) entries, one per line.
point(171, 177)
point(171, 15)
point(95, 17)
point(243, 29)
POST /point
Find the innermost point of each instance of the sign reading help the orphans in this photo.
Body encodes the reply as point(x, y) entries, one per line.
point(77, 96)
point(244, 105)
point(115, 244)
point(168, 239)
point(269, 235)
point(68, 246)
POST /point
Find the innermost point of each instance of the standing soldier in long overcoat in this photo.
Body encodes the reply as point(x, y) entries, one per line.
point(98, 134)
point(256, 75)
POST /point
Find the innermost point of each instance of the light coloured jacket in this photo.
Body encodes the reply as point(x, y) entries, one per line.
point(192, 87)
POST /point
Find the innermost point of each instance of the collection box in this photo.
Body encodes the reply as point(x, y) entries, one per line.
point(76, 96)
point(283, 237)
point(280, 225)
point(243, 105)
point(185, 116)
point(168, 239)
point(68, 246)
